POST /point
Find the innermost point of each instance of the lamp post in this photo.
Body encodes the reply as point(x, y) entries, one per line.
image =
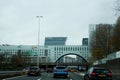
point(38, 39)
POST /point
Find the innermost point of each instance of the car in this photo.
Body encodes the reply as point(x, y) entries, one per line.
point(97, 73)
point(49, 70)
point(25, 70)
point(81, 68)
point(34, 70)
point(60, 71)
point(73, 70)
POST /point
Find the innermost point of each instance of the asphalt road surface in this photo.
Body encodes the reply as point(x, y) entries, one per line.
point(47, 76)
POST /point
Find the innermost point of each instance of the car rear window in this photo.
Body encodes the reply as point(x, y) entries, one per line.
point(101, 71)
point(60, 67)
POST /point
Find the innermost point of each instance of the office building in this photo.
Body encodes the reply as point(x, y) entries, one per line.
point(55, 40)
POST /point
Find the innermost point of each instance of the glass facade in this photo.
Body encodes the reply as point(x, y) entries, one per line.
point(85, 41)
point(55, 40)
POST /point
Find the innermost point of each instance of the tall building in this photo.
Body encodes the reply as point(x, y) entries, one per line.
point(85, 41)
point(55, 40)
point(96, 27)
point(92, 28)
point(99, 33)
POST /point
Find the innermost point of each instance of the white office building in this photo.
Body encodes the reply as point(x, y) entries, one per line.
point(46, 53)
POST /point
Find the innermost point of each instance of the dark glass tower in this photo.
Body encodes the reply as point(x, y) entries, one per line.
point(85, 41)
point(55, 40)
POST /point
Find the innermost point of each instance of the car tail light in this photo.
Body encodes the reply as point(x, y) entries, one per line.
point(110, 73)
point(93, 74)
point(65, 70)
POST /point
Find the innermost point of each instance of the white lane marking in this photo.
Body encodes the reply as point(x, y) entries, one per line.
point(39, 79)
point(82, 74)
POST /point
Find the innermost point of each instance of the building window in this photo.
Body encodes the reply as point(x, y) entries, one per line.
point(46, 52)
point(71, 48)
point(64, 48)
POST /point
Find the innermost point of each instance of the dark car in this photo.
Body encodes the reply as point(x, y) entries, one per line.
point(60, 71)
point(49, 70)
point(95, 73)
point(34, 70)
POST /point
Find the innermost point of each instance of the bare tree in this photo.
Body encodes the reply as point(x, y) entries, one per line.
point(26, 57)
point(116, 36)
point(21, 58)
point(17, 58)
point(99, 45)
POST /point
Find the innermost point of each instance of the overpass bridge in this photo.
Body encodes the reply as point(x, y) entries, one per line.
point(52, 64)
point(72, 64)
point(64, 64)
point(80, 61)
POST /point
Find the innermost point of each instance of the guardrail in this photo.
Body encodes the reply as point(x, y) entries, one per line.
point(9, 72)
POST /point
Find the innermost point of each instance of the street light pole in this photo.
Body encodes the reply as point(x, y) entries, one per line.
point(38, 39)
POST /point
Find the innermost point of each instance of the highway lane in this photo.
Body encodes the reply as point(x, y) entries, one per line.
point(47, 76)
point(75, 76)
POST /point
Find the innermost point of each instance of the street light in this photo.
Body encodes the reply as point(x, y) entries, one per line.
point(38, 38)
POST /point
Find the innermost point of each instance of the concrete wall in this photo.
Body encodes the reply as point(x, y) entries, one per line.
point(114, 65)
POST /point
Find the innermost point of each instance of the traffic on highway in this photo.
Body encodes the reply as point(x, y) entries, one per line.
point(48, 76)
point(63, 73)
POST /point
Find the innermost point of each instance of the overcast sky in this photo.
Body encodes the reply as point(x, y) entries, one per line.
point(61, 18)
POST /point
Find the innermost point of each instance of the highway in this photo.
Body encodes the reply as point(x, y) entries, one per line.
point(47, 76)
